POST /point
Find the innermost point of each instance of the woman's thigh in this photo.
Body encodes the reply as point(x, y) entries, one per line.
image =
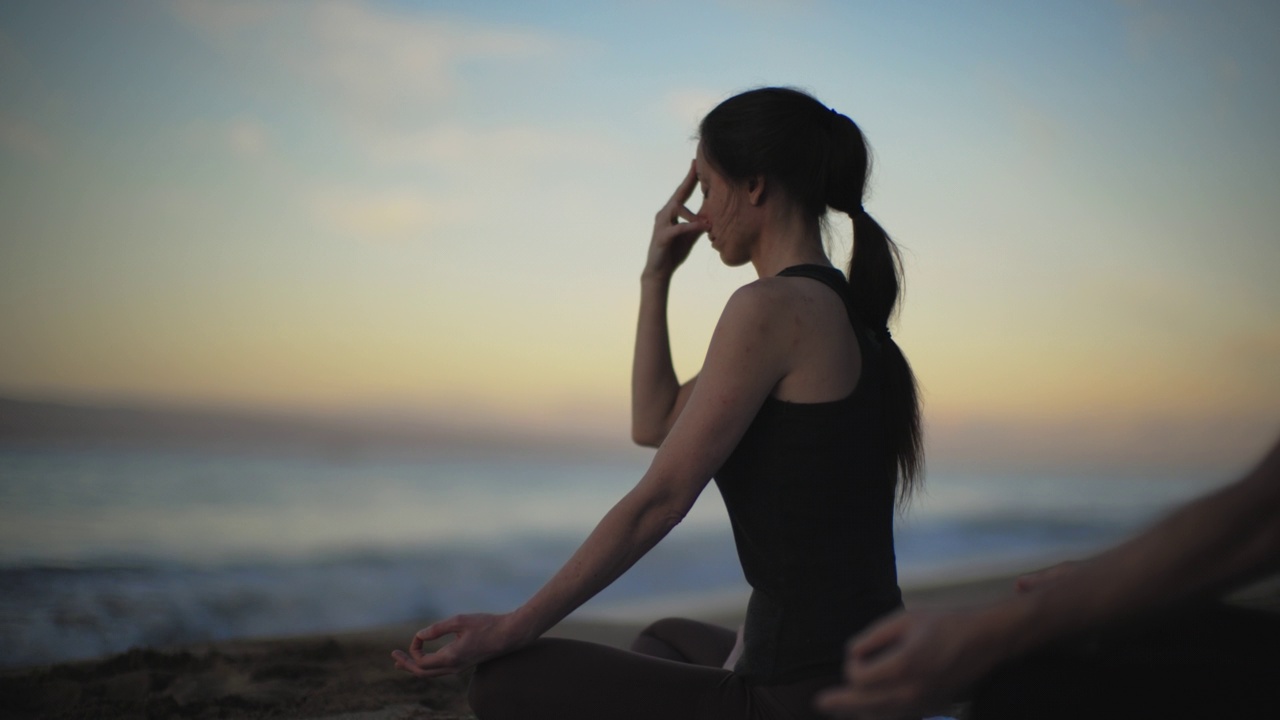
point(561, 679)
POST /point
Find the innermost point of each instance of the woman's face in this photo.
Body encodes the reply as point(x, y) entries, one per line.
point(721, 199)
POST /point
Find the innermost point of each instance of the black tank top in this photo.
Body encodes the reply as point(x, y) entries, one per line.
point(810, 491)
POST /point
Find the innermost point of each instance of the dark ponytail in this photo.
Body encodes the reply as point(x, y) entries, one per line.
point(875, 276)
point(821, 159)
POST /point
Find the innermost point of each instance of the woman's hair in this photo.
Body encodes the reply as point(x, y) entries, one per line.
point(820, 159)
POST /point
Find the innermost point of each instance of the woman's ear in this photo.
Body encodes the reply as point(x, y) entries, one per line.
point(755, 190)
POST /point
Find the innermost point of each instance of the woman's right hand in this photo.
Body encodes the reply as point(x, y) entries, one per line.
point(476, 639)
point(673, 239)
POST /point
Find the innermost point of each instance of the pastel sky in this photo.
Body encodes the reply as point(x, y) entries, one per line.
point(442, 208)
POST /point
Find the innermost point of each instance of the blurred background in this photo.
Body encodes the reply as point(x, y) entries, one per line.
point(318, 315)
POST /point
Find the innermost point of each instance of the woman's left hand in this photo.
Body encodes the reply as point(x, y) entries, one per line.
point(477, 638)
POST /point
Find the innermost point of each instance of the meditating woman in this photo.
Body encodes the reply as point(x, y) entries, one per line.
point(805, 415)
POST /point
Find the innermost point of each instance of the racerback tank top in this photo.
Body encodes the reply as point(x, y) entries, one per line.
point(810, 494)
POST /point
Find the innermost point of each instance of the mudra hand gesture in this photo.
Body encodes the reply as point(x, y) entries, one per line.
point(673, 239)
point(476, 639)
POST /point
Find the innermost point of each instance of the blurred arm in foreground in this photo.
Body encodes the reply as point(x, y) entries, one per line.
point(915, 662)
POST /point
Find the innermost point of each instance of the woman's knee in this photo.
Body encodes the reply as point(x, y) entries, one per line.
point(666, 628)
point(495, 693)
point(656, 638)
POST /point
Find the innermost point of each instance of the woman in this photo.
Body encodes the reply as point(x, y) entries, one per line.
point(804, 412)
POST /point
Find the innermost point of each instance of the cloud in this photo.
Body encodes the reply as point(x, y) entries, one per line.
point(460, 147)
point(22, 134)
point(1210, 39)
point(1034, 127)
point(783, 6)
point(10, 56)
point(1147, 27)
point(382, 85)
point(227, 15)
point(25, 139)
point(384, 215)
point(688, 106)
point(367, 60)
point(247, 137)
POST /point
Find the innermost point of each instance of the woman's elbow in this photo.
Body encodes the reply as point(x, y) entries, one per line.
point(661, 513)
point(646, 435)
point(667, 519)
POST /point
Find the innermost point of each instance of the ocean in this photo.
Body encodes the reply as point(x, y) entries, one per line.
point(103, 550)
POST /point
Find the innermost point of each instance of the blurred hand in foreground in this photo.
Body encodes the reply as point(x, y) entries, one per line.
point(477, 638)
point(910, 664)
point(1042, 578)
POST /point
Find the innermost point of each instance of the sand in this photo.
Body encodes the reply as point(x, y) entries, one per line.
point(335, 677)
point(346, 676)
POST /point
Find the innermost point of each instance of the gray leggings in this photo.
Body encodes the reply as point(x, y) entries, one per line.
point(673, 671)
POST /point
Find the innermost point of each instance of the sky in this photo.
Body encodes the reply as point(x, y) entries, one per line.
point(441, 209)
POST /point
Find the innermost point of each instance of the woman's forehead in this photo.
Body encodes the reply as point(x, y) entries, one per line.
point(700, 165)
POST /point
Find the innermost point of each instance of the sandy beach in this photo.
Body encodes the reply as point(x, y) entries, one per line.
point(336, 677)
point(345, 676)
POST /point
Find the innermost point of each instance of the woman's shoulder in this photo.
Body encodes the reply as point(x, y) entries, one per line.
point(781, 295)
point(787, 310)
point(779, 289)
point(763, 299)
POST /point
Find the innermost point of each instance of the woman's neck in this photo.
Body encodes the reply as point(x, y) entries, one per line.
point(787, 241)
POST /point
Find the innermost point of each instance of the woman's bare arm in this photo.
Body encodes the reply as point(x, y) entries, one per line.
point(657, 397)
point(917, 661)
point(742, 366)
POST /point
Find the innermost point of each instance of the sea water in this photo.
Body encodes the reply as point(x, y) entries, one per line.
point(103, 550)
